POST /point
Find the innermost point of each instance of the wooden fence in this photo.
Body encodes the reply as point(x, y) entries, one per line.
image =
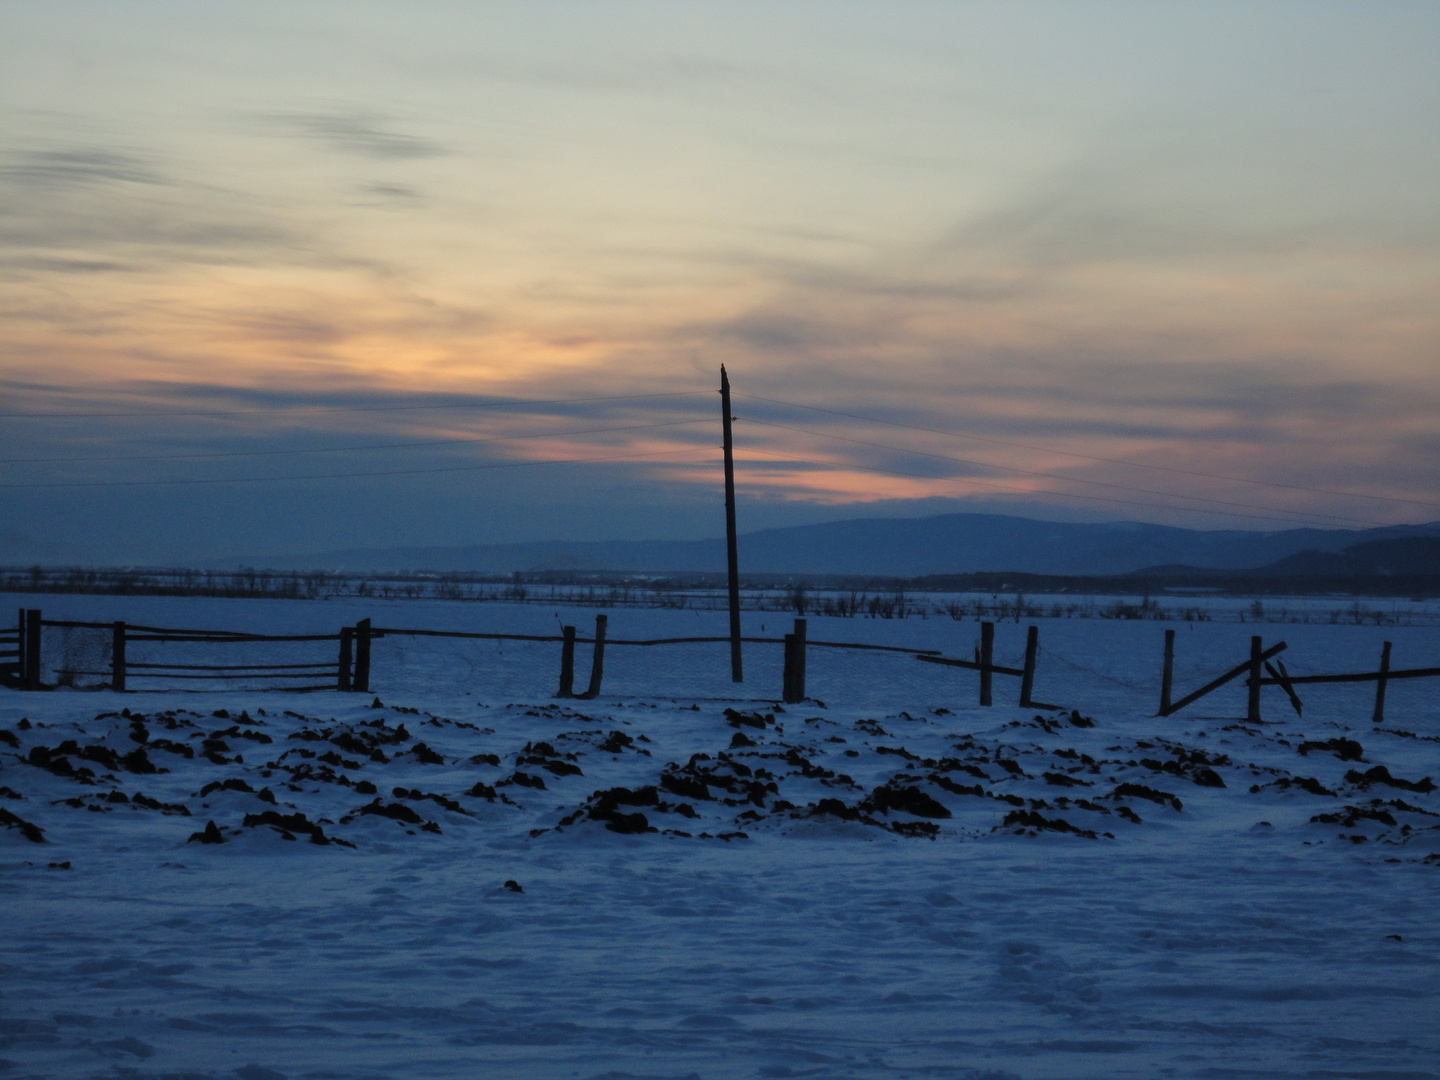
point(345, 666)
point(15, 655)
point(1258, 666)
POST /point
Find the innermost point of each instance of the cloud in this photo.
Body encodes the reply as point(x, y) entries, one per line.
point(93, 208)
point(393, 193)
point(46, 265)
point(78, 166)
point(366, 135)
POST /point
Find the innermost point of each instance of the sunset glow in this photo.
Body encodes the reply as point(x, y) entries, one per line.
point(1192, 236)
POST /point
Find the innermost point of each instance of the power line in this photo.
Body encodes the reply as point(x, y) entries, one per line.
point(1012, 491)
point(347, 449)
point(348, 476)
point(1089, 457)
point(350, 408)
point(1064, 479)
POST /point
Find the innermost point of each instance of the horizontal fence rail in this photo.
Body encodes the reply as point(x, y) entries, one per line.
point(349, 667)
point(1363, 676)
point(972, 665)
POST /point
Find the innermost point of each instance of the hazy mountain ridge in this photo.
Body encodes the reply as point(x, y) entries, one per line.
point(1400, 556)
point(913, 547)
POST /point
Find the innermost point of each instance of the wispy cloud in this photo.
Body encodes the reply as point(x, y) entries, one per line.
point(367, 135)
point(78, 166)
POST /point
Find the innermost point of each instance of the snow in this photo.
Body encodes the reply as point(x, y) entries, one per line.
point(1234, 936)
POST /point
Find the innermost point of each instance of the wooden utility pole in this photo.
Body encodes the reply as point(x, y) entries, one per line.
point(732, 549)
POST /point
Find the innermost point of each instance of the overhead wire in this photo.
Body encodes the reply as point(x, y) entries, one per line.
point(1010, 490)
point(347, 449)
point(353, 475)
point(1294, 517)
point(275, 410)
point(1053, 476)
point(1088, 457)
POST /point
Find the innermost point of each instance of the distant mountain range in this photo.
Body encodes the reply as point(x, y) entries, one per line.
point(916, 547)
point(1401, 556)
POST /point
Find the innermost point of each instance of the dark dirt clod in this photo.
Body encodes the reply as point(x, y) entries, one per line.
point(232, 784)
point(616, 742)
point(1140, 791)
point(911, 800)
point(1344, 749)
point(426, 756)
point(208, 835)
point(30, 831)
point(395, 810)
point(1381, 775)
point(737, 719)
point(1030, 819)
point(292, 823)
point(1351, 815)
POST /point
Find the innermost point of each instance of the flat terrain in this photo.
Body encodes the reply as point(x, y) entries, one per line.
point(458, 876)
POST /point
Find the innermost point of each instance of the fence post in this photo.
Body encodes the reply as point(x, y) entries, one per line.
point(1167, 675)
point(362, 656)
point(1252, 711)
point(32, 649)
point(987, 660)
point(117, 656)
point(798, 689)
point(1379, 717)
point(342, 672)
point(1027, 681)
point(787, 679)
point(597, 660)
point(20, 653)
point(567, 663)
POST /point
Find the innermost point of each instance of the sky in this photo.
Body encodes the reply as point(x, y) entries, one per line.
point(288, 278)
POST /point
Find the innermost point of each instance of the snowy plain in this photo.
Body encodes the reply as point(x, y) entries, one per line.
point(885, 881)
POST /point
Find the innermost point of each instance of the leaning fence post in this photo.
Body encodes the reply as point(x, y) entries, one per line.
point(1252, 711)
point(342, 672)
point(1379, 717)
point(567, 663)
point(117, 656)
point(1027, 681)
point(987, 660)
point(32, 649)
point(597, 659)
point(1167, 674)
point(362, 656)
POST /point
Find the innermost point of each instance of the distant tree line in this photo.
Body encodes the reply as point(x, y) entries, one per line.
point(960, 597)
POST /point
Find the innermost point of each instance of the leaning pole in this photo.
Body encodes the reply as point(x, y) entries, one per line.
point(732, 549)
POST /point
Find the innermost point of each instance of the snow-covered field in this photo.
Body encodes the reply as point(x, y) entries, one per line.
point(893, 883)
